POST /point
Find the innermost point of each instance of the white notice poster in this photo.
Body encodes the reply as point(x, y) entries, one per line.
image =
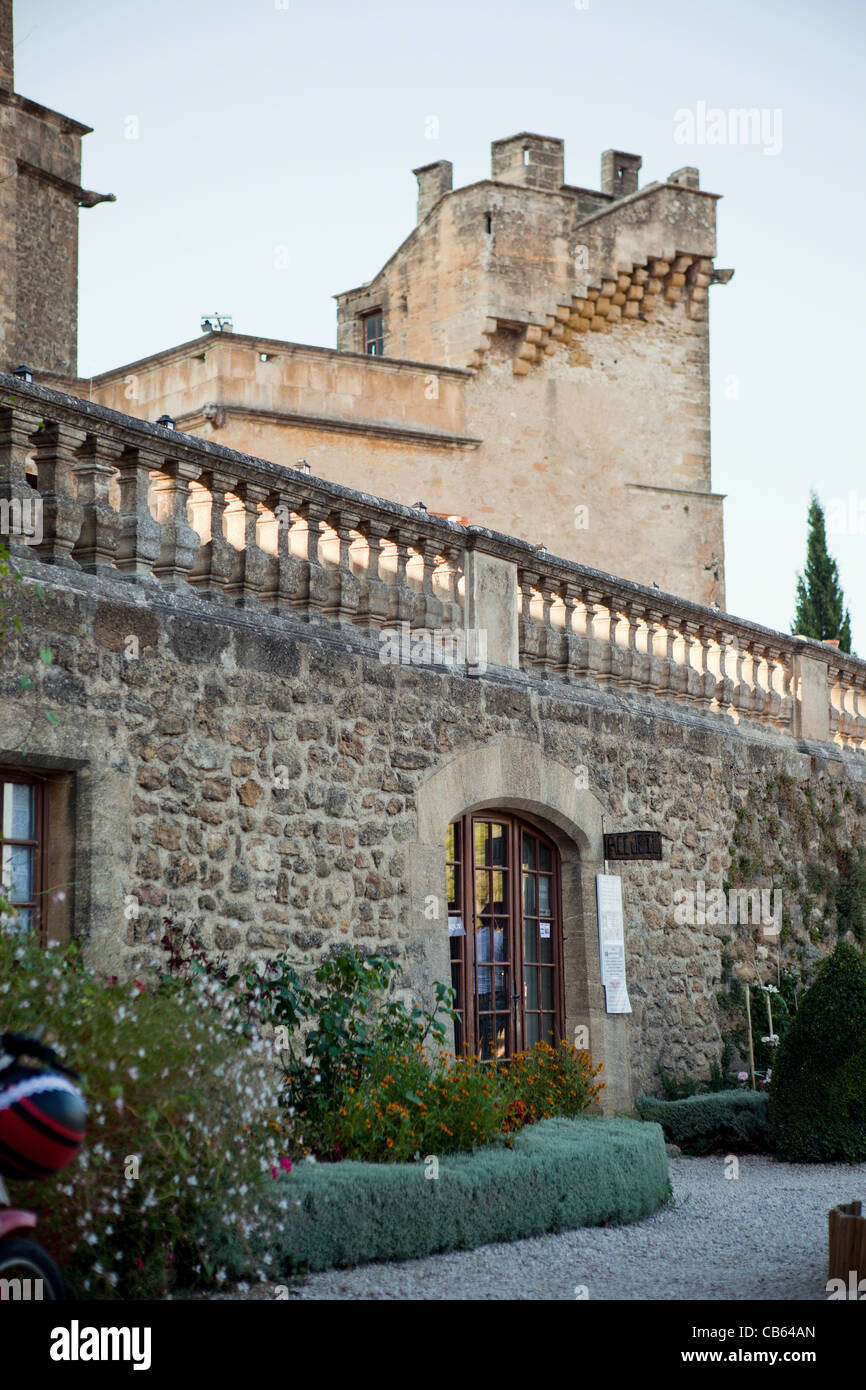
point(611, 941)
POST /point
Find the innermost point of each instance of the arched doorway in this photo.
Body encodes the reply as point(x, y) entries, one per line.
point(505, 933)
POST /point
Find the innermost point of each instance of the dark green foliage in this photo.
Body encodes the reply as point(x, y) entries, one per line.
point(723, 1121)
point(851, 893)
point(818, 1090)
point(674, 1089)
point(821, 611)
point(561, 1174)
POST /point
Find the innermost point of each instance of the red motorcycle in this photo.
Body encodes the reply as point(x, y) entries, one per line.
point(42, 1127)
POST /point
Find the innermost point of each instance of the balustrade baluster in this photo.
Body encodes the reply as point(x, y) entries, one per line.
point(56, 450)
point(403, 598)
point(215, 561)
point(528, 635)
point(431, 609)
point(180, 542)
point(140, 533)
point(250, 566)
point(99, 536)
point(448, 576)
point(19, 515)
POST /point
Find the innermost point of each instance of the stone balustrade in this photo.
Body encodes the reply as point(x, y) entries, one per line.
point(169, 512)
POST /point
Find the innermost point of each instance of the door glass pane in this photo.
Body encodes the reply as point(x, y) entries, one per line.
point(532, 1029)
point(530, 992)
point(451, 882)
point(501, 982)
point(482, 892)
point(528, 851)
point(548, 1029)
point(530, 942)
point(543, 897)
point(500, 941)
point(450, 843)
point(500, 902)
point(545, 857)
point(502, 1037)
point(483, 982)
point(498, 844)
point(529, 905)
point(547, 946)
point(485, 1036)
point(19, 803)
point(480, 840)
point(547, 989)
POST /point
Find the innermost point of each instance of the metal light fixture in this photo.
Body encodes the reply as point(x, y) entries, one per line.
point(25, 373)
point(166, 422)
point(303, 465)
point(216, 323)
point(419, 506)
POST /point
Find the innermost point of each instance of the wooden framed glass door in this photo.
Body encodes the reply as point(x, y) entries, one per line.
point(505, 931)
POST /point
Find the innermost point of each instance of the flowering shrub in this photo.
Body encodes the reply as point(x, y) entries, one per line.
point(363, 1083)
point(407, 1104)
point(179, 1103)
point(552, 1081)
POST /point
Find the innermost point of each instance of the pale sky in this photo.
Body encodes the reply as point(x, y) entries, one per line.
point(261, 124)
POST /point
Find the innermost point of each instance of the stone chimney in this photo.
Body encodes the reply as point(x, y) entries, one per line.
point(7, 66)
point(533, 161)
point(434, 181)
point(689, 177)
point(619, 173)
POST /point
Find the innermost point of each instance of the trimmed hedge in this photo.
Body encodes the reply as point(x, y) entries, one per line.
point(719, 1120)
point(560, 1174)
point(818, 1090)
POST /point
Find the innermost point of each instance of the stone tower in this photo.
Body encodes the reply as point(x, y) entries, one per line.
point(40, 194)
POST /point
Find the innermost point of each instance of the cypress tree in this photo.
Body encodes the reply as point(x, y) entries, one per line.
point(821, 610)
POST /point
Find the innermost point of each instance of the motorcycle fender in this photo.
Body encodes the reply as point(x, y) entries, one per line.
point(11, 1220)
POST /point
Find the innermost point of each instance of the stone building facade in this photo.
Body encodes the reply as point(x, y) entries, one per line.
point(534, 356)
point(236, 742)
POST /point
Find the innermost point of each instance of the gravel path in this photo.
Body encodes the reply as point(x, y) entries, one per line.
point(762, 1235)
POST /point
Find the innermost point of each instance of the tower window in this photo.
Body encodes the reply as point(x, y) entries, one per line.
point(373, 333)
point(489, 222)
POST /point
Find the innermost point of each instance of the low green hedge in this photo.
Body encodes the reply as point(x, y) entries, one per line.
point(719, 1120)
point(560, 1174)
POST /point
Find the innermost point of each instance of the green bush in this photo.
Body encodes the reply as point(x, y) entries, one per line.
point(818, 1087)
point(850, 893)
point(368, 1078)
point(721, 1121)
point(560, 1174)
point(179, 1107)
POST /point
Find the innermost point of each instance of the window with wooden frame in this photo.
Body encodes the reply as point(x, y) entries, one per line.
point(374, 333)
point(505, 932)
point(36, 852)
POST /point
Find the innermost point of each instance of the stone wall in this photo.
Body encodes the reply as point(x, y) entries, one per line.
point(269, 784)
